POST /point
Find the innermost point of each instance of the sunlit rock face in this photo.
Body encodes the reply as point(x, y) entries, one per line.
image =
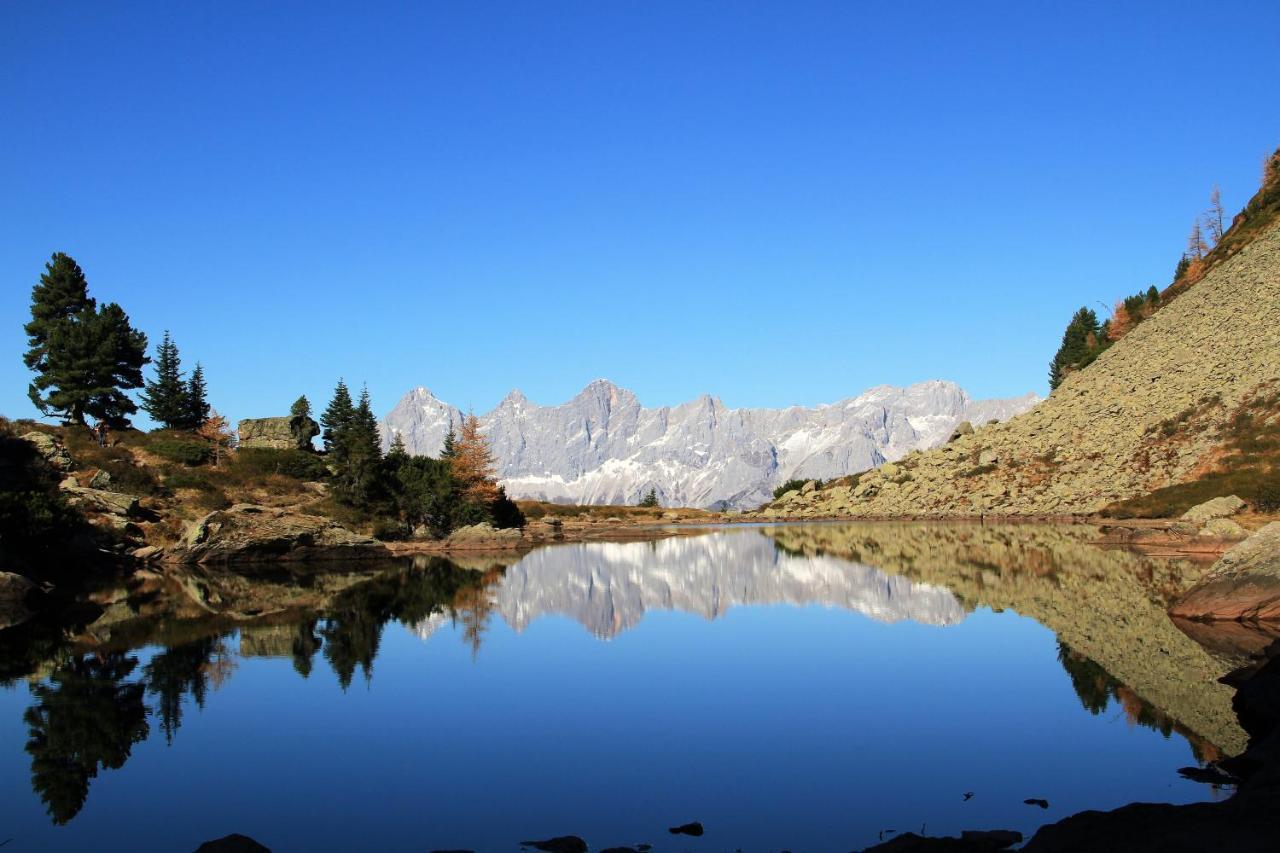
point(608, 587)
point(604, 447)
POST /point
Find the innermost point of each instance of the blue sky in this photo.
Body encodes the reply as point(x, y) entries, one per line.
point(776, 203)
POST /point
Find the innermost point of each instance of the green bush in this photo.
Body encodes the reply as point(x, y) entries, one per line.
point(791, 486)
point(263, 461)
point(1267, 498)
point(183, 451)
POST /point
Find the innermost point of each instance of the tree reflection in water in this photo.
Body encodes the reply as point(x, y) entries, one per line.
point(90, 710)
point(85, 718)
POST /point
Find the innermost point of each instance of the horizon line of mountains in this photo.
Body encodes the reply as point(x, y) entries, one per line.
point(604, 447)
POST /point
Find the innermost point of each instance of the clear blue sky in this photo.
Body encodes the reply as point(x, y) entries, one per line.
point(776, 203)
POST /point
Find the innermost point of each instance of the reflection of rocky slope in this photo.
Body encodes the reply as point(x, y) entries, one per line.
point(1107, 605)
point(609, 587)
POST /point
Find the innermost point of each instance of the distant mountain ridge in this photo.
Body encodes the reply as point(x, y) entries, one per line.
point(604, 447)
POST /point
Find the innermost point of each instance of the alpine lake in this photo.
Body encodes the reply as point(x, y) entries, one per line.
point(793, 687)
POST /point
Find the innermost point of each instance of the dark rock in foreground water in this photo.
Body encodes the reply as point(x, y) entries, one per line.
point(559, 844)
point(694, 829)
point(970, 841)
point(233, 843)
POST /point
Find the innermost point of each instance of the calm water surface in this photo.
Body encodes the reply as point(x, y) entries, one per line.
point(800, 688)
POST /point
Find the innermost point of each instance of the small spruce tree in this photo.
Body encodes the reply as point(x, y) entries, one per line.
point(165, 398)
point(198, 409)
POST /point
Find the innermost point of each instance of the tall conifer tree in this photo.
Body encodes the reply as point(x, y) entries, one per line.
point(337, 419)
point(166, 398)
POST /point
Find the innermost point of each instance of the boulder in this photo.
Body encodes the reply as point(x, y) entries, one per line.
point(1244, 584)
point(100, 480)
point(278, 433)
point(234, 843)
point(963, 428)
point(1223, 528)
point(484, 536)
point(247, 533)
point(988, 457)
point(808, 487)
point(97, 500)
point(1217, 508)
point(51, 450)
point(14, 590)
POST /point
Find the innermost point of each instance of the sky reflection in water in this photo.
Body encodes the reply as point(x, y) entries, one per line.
point(732, 679)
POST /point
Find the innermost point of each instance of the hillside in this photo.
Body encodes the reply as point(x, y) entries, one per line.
point(1192, 394)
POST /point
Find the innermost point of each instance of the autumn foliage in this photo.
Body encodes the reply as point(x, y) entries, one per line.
point(472, 462)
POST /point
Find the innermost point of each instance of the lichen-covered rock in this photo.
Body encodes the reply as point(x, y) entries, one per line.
point(51, 449)
point(1243, 585)
point(1223, 507)
point(484, 536)
point(1223, 528)
point(247, 532)
point(287, 433)
point(962, 429)
point(100, 501)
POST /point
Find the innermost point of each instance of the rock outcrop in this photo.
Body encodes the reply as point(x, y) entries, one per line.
point(484, 536)
point(1147, 414)
point(1223, 507)
point(287, 433)
point(1243, 585)
point(247, 532)
point(51, 450)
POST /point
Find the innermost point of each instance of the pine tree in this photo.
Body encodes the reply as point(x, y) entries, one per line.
point(1079, 342)
point(61, 295)
point(85, 356)
point(1183, 263)
point(450, 448)
point(197, 400)
point(650, 499)
point(89, 361)
point(301, 408)
point(359, 478)
point(337, 418)
point(166, 398)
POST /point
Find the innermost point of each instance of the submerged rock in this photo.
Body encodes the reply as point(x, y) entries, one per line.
point(1243, 585)
point(248, 532)
point(694, 829)
point(559, 844)
point(233, 843)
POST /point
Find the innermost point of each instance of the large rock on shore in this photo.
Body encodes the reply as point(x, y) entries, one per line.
point(1217, 508)
point(484, 536)
point(288, 433)
point(247, 532)
point(1243, 585)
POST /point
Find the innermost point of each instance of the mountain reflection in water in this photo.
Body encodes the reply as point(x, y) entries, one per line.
point(142, 656)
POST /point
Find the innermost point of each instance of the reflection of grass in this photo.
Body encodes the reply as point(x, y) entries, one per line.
point(1249, 466)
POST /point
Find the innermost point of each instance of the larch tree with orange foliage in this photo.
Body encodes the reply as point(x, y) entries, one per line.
point(217, 432)
point(1121, 322)
point(472, 461)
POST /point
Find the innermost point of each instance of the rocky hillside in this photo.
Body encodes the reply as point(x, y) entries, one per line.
point(1196, 384)
point(604, 447)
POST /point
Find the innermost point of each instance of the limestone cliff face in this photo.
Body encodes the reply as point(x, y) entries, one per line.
point(1099, 438)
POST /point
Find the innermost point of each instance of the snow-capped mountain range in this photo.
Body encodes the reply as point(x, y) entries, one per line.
point(603, 447)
